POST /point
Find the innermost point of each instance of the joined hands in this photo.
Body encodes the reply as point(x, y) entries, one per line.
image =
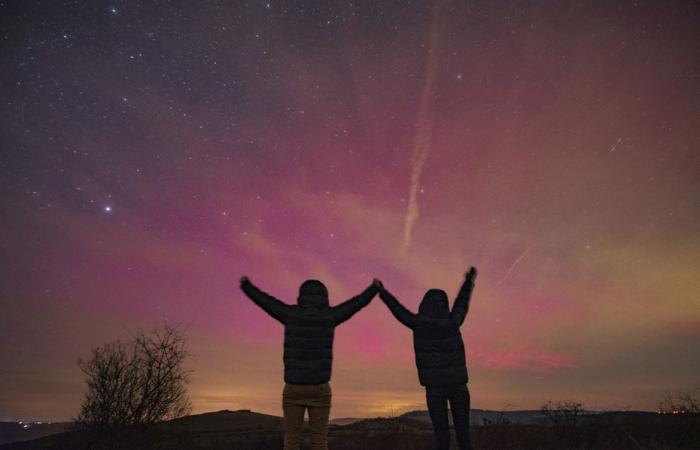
point(470, 275)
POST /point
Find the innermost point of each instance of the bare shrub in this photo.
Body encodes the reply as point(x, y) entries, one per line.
point(564, 418)
point(136, 382)
point(679, 404)
point(564, 413)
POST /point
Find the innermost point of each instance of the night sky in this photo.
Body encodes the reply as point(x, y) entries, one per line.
point(154, 152)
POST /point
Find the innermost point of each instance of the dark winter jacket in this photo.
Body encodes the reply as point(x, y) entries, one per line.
point(308, 328)
point(437, 340)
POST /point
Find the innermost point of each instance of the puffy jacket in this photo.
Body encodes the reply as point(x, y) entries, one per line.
point(437, 340)
point(308, 328)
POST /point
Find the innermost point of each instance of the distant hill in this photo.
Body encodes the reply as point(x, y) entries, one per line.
point(196, 431)
point(26, 431)
point(478, 417)
point(225, 420)
point(344, 421)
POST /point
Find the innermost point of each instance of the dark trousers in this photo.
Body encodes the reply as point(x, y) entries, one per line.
point(458, 397)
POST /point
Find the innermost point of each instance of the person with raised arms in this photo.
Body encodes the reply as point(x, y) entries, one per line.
point(308, 354)
point(440, 356)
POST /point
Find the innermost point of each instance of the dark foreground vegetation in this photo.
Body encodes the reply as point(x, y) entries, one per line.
point(245, 430)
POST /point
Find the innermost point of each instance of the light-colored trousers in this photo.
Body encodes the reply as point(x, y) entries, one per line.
point(296, 399)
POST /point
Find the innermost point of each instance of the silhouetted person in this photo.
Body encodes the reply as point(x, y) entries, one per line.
point(308, 354)
point(440, 358)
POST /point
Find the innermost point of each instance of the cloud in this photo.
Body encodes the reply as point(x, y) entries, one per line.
point(424, 131)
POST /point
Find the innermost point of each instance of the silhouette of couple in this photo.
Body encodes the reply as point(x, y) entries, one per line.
point(308, 354)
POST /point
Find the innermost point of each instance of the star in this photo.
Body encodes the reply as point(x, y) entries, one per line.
point(107, 209)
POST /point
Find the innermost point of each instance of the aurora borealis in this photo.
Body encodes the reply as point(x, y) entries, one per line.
point(154, 152)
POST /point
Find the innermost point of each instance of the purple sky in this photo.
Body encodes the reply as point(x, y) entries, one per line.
point(151, 155)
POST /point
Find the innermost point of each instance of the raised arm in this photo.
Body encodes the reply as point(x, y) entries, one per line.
point(270, 304)
point(461, 306)
point(345, 310)
point(402, 314)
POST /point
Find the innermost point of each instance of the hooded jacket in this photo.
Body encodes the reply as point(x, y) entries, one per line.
point(437, 341)
point(308, 328)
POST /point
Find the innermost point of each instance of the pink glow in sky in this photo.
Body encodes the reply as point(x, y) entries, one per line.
point(152, 157)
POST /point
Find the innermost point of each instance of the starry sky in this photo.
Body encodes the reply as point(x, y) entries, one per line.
point(154, 152)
